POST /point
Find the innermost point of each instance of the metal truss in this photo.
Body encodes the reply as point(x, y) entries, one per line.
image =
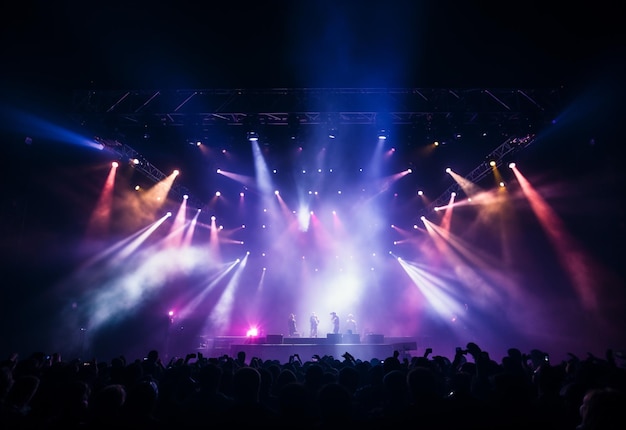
point(334, 106)
point(514, 109)
point(510, 146)
point(138, 161)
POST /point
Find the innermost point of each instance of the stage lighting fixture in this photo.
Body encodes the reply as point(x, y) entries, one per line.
point(293, 124)
point(383, 121)
point(253, 136)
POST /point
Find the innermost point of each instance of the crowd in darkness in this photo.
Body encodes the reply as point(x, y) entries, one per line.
point(471, 390)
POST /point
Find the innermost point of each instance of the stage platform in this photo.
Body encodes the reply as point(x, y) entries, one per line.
point(278, 347)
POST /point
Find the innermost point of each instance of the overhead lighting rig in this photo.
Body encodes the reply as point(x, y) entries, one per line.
point(140, 163)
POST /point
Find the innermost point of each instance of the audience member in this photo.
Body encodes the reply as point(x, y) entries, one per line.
point(472, 391)
point(247, 409)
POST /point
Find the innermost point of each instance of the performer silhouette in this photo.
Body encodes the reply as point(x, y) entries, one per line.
point(315, 321)
point(351, 324)
point(335, 320)
point(291, 325)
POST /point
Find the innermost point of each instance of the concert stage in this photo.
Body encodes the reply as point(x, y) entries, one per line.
point(281, 348)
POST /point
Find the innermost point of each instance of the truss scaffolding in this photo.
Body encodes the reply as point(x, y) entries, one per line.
point(510, 146)
point(518, 110)
point(140, 163)
point(310, 106)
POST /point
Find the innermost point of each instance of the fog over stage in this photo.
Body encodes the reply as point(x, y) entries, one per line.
point(125, 263)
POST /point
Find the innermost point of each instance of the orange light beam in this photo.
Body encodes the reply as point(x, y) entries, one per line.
point(575, 262)
point(100, 217)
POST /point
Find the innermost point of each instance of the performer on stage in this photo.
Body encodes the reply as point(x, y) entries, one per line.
point(335, 320)
point(351, 325)
point(291, 325)
point(314, 323)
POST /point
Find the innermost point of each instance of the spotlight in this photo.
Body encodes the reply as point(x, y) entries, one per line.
point(293, 124)
point(253, 136)
point(383, 121)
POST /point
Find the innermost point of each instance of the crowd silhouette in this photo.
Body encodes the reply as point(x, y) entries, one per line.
point(471, 390)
